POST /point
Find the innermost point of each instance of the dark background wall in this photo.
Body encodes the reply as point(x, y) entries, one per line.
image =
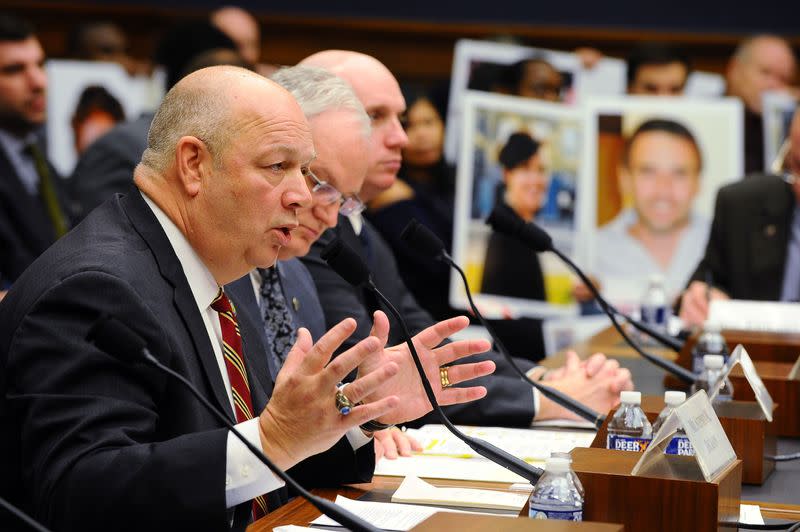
point(415, 39)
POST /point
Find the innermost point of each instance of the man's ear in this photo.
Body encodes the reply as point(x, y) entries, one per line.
point(193, 163)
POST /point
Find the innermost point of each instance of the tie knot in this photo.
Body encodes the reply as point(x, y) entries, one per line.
point(221, 303)
point(269, 277)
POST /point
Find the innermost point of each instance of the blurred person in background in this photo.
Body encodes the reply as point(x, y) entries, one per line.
point(759, 64)
point(96, 113)
point(34, 210)
point(753, 250)
point(424, 189)
point(104, 41)
point(658, 70)
point(106, 167)
point(243, 28)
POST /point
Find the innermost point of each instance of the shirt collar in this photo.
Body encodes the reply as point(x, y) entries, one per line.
point(202, 284)
point(13, 144)
point(357, 221)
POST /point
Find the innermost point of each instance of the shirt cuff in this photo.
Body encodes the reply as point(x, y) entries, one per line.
point(357, 438)
point(536, 402)
point(246, 476)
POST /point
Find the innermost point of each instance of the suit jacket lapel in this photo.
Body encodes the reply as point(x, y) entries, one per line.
point(146, 224)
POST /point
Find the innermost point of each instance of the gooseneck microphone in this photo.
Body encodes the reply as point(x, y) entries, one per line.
point(119, 340)
point(538, 240)
point(22, 516)
point(423, 239)
point(352, 269)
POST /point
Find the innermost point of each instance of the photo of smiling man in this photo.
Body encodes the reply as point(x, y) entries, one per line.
point(659, 232)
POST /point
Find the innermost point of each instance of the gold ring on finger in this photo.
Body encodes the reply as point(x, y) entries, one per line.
point(444, 378)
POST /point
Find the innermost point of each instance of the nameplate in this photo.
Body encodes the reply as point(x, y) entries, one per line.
point(712, 449)
point(741, 357)
point(760, 316)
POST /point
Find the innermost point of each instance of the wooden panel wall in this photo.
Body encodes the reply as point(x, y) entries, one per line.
point(415, 51)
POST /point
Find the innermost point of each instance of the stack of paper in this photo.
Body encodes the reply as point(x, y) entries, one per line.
point(447, 457)
point(415, 490)
point(386, 515)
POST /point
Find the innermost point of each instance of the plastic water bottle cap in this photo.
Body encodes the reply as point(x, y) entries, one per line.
point(565, 456)
point(712, 327)
point(656, 278)
point(713, 361)
point(557, 465)
point(674, 398)
point(630, 398)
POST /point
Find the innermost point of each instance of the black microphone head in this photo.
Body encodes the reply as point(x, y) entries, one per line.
point(423, 239)
point(507, 222)
point(117, 339)
point(345, 262)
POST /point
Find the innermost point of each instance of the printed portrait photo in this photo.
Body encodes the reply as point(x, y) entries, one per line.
point(655, 167)
point(521, 156)
point(528, 72)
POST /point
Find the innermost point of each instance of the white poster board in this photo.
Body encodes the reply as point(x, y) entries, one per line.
point(778, 109)
point(67, 79)
point(607, 77)
point(621, 260)
point(489, 120)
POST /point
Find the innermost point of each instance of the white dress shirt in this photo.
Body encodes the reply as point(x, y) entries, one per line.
point(246, 477)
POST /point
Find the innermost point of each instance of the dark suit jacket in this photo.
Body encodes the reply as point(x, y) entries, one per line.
point(509, 401)
point(106, 167)
point(98, 443)
point(25, 227)
point(746, 250)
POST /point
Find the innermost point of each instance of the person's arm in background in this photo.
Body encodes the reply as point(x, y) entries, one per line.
point(694, 302)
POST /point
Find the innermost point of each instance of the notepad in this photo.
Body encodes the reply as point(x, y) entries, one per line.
point(417, 491)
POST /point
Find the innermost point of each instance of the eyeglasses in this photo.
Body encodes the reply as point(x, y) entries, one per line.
point(328, 194)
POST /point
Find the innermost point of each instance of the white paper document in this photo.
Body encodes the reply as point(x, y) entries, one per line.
point(527, 444)
point(750, 514)
point(417, 491)
point(446, 467)
point(766, 316)
point(385, 515)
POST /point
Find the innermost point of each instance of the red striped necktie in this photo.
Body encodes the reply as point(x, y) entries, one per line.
point(237, 374)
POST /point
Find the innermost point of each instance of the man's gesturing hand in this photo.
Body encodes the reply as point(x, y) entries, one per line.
point(301, 418)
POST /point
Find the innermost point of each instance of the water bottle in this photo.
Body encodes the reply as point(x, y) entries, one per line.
point(710, 342)
point(575, 479)
point(709, 377)
point(629, 429)
point(555, 496)
point(679, 444)
point(655, 310)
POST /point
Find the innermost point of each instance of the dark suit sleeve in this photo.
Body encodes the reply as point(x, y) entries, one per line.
point(93, 446)
point(336, 466)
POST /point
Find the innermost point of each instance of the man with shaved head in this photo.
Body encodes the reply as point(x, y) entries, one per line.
point(509, 400)
point(90, 436)
point(759, 64)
